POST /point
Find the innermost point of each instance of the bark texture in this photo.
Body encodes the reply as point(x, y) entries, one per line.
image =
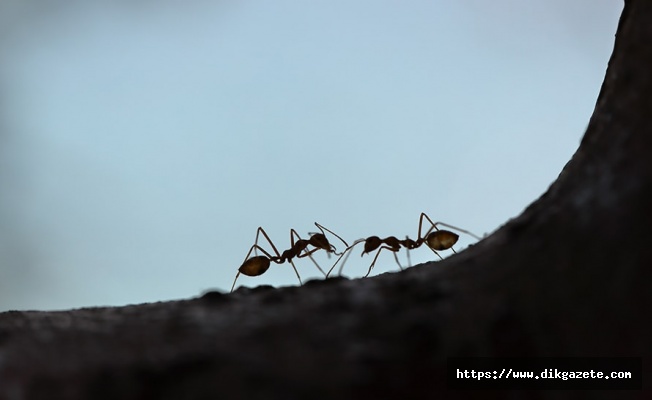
point(571, 276)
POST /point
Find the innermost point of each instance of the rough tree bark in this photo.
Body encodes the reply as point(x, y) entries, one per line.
point(571, 276)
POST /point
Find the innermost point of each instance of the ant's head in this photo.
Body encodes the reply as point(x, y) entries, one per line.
point(371, 244)
point(319, 240)
point(441, 240)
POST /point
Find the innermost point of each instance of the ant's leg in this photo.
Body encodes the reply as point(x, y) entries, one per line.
point(375, 258)
point(258, 232)
point(249, 252)
point(438, 255)
point(290, 258)
point(236, 278)
point(408, 257)
point(271, 257)
point(296, 272)
point(245, 259)
point(459, 229)
point(346, 251)
point(434, 226)
point(339, 272)
point(256, 247)
point(337, 261)
point(397, 262)
point(419, 237)
point(307, 253)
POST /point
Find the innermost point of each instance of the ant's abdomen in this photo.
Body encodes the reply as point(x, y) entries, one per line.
point(255, 266)
point(441, 240)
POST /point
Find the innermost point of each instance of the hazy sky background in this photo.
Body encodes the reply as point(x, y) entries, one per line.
point(143, 143)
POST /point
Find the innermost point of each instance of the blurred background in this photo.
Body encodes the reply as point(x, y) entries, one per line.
point(142, 143)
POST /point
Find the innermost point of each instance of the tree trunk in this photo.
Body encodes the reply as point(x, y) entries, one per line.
point(571, 276)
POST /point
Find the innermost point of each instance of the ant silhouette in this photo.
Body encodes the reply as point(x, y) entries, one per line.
point(372, 243)
point(434, 238)
point(258, 265)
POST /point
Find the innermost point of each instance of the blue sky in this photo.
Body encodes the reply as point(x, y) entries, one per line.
point(144, 143)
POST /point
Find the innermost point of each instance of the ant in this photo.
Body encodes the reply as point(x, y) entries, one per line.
point(258, 265)
point(434, 238)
